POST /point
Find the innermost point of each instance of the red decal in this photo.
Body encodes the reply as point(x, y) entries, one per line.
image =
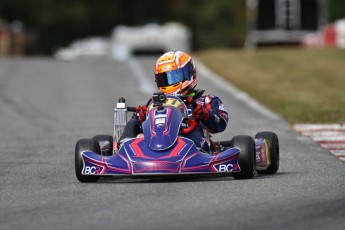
point(136, 148)
point(180, 144)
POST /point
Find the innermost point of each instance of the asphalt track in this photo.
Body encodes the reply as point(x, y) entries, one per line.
point(47, 105)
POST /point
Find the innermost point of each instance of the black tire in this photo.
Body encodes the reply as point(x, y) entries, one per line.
point(108, 138)
point(82, 145)
point(273, 142)
point(246, 159)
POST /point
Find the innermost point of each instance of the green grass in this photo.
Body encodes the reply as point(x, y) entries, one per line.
point(303, 86)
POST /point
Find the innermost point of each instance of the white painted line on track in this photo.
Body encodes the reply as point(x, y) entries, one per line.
point(329, 138)
point(234, 92)
point(333, 146)
point(338, 153)
point(319, 127)
point(146, 85)
point(323, 134)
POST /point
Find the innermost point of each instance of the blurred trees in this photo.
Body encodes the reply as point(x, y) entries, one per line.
point(336, 9)
point(56, 23)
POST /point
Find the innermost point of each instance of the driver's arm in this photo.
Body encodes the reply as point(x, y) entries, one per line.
point(217, 115)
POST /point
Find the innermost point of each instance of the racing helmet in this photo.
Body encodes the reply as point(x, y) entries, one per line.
point(175, 73)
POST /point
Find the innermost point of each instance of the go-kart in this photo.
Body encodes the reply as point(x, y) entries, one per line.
point(162, 151)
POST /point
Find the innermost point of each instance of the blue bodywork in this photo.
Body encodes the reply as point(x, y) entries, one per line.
point(161, 151)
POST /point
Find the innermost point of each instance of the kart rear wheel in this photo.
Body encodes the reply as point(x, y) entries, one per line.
point(82, 145)
point(246, 159)
point(104, 150)
point(272, 138)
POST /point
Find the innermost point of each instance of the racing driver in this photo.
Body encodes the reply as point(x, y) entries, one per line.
point(175, 74)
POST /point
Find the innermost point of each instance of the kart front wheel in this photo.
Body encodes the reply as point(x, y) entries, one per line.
point(246, 159)
point(273, 142)
point(104, 144)
point(82, 145)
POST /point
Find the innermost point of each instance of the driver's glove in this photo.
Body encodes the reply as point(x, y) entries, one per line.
point(189, 100)
point(200, 113)
point(186, 99)
point(142, 112)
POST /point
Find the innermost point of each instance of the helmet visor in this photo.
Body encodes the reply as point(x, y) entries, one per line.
point(173, 77)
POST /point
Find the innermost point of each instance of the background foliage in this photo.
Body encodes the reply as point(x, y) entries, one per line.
point(56, 23)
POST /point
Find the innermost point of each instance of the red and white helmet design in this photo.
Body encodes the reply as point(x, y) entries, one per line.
point(175, 73)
